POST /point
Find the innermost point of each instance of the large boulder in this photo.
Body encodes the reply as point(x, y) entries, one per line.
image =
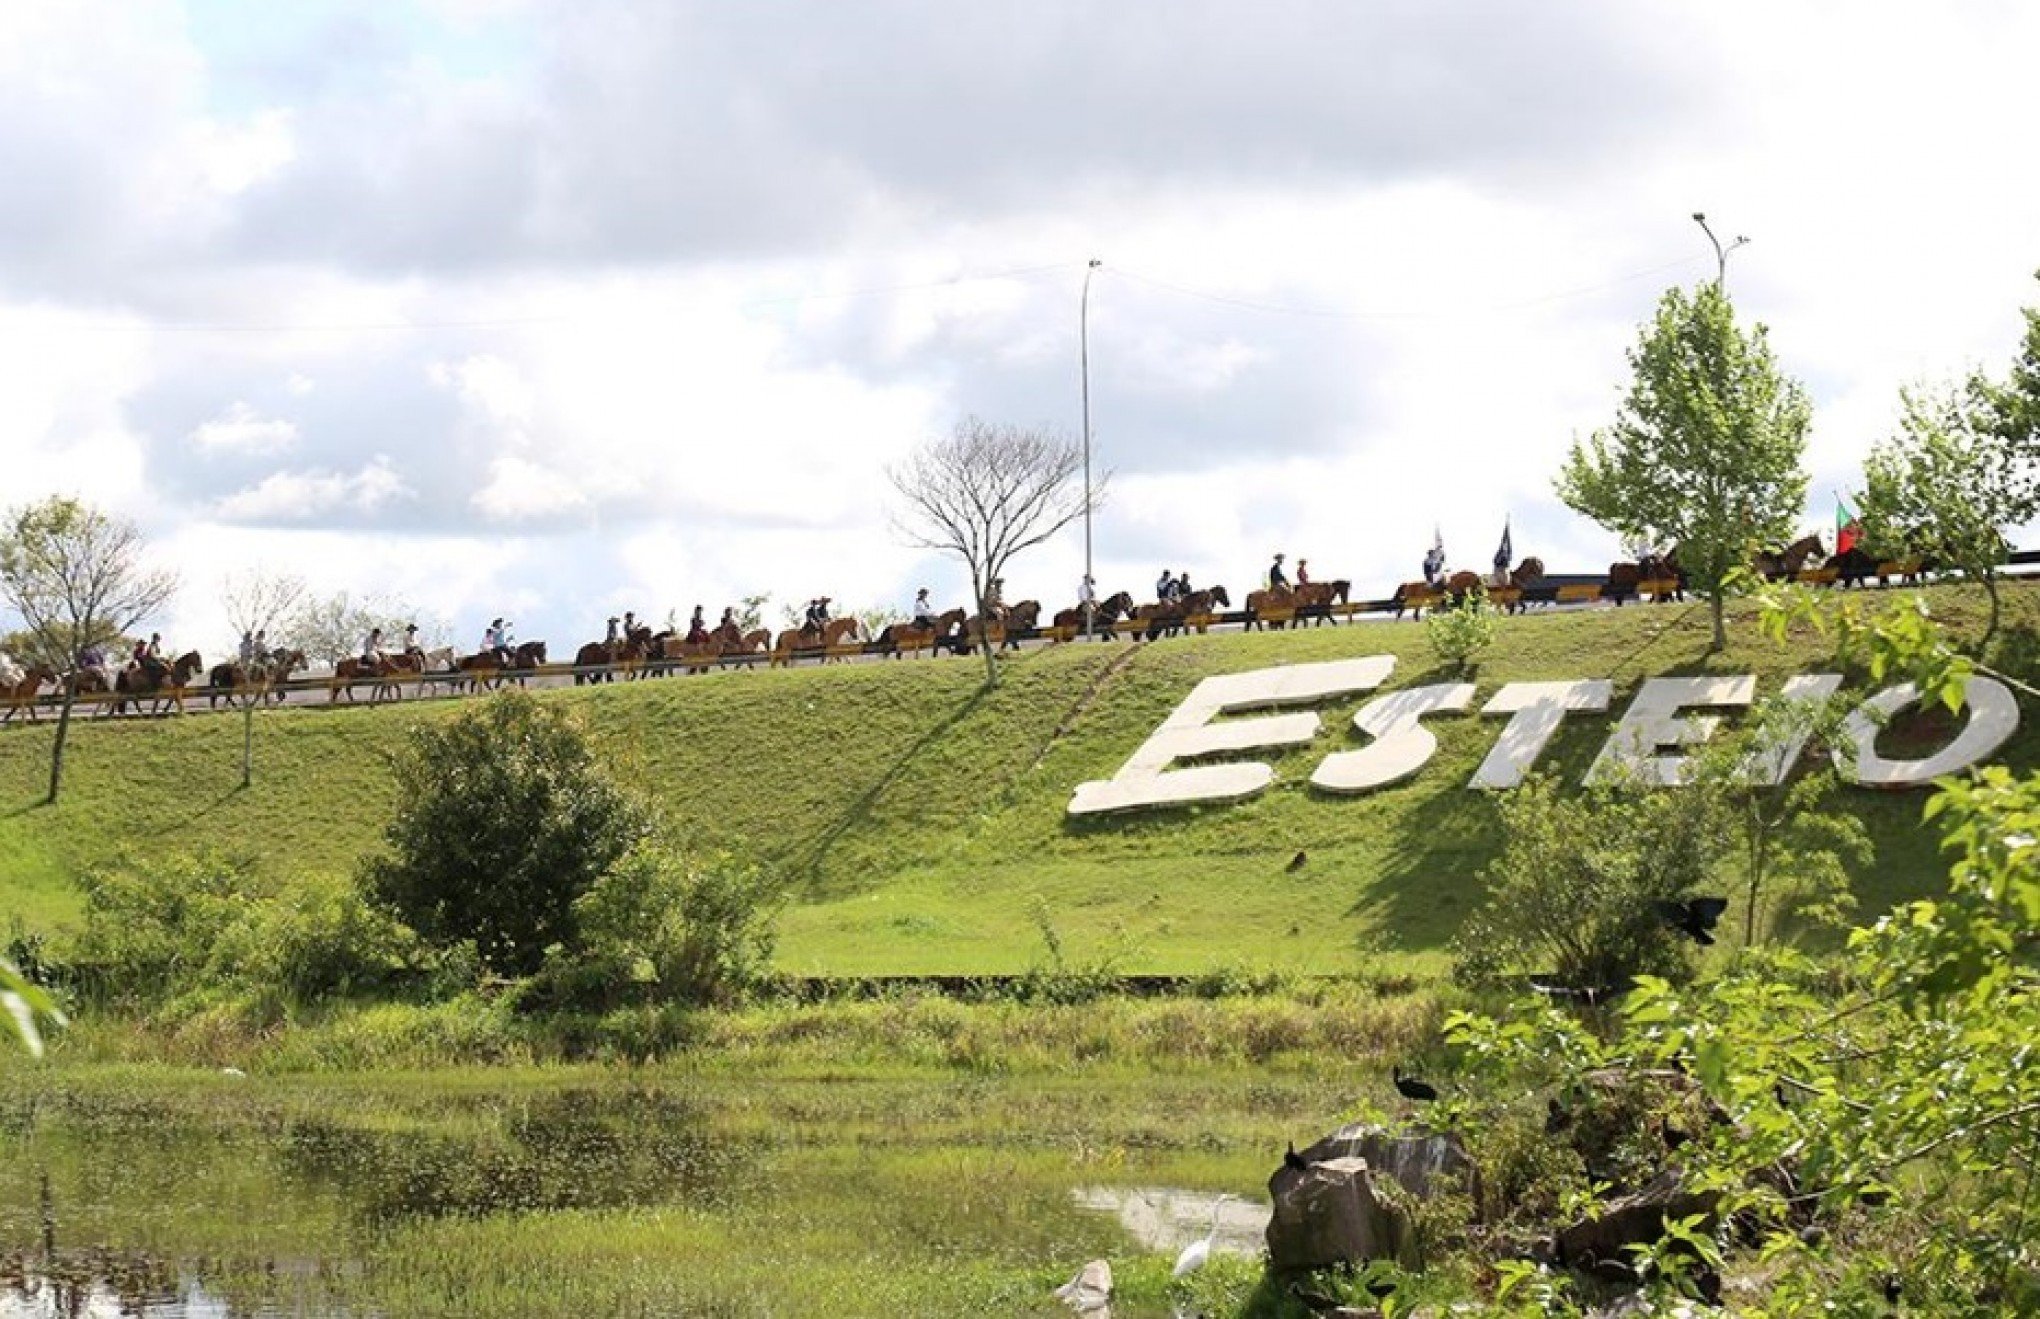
point(1422, 1163)
point(1090, 1292)
point(1631, 1220)
point(1335, 1212)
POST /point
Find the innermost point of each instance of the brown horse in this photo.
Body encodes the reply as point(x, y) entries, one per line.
point(1167, 619)
point(1314, 600)
point(693, 656)
point(1270, 597)
point(164, 684)
point(235, 682)
point(901, 638)
point(21, 694)
point(1411, 596)
point(1017, 619)
point(801, 640)
point(358, 669)
point(1788, 561)
point(1103, 615)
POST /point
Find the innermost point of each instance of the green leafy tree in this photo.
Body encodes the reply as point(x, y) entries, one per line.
point(656, 927)
point(78, 578)
point(2015, 403)
point(1705, 451)
point(1890, 1092)
point(1791, 847)
point(1950, 484)
point(504, 820)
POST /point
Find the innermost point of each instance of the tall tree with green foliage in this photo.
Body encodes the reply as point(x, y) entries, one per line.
point(504, 820)
point(1951, 483)
point(1705, 451)
point(78, 578)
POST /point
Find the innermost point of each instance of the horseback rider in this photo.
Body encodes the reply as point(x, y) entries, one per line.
point(697, 629)
point(496, 641)
point(610, 640)
point(630, 626)
point(1181, 590)
point(995, 599)
point(1164, 585)
point(247, 652)
point(924, 612)
point(1277, 579)
point(411, 646)
point(372, 649)
point(1303, 572)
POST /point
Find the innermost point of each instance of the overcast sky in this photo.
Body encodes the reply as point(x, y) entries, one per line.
point(553, 310)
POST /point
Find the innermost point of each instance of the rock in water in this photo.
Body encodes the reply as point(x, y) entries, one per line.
point(1090, 1292)
point(1334, 1213)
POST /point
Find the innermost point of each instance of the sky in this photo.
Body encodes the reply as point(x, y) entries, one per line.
point(553, 310)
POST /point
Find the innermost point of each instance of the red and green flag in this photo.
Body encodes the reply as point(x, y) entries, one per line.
point(1847, 529)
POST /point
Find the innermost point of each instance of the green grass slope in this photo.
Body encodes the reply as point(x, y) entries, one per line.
point(919, 821)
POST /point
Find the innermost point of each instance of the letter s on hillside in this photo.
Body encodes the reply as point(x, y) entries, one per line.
point(1189, 732)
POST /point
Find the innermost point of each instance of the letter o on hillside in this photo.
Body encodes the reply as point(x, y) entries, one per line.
point(1993, 718)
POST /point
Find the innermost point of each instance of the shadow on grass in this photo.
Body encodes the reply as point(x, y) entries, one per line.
point(806, 866)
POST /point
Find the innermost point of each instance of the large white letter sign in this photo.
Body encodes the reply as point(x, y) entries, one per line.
point(1993, 717)
point(1536, 709)
point(1653, 721)
point(1400, 746)
point(1189, 732)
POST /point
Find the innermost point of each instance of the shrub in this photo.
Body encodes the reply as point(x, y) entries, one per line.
point(209, 925)
point(1573, 892)
point(504, 821)
point(1460, 631)
point(655, 927)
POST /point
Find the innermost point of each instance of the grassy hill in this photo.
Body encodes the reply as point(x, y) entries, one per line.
point(920, 821)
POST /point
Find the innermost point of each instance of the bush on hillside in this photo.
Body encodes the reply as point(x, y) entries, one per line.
point(657, 928)
point(206, 927)
point(1573, 893)
point(1460, 631)
point(504, 821)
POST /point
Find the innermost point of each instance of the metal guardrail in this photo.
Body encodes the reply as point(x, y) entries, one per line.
point(1556, 588)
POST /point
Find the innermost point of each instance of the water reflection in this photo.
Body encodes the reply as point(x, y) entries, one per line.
point(1167, 1218)
point(90, 1284)
point(571, 1149)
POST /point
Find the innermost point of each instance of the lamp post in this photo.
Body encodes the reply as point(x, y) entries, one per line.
point(1720, 252)
point(1084, 365)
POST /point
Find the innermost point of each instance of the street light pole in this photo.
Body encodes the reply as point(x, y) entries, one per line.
point(1720, 252)
point(1084, 364)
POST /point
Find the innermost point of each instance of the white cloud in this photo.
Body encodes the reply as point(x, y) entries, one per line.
point(295, 496)
point(240, 429)
point(520, 490)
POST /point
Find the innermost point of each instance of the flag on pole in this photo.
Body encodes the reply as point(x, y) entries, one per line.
point(1504, 552)
point(1434, 562)
point(1847, 529)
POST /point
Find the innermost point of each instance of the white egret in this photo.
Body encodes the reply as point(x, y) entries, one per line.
point(1194, 1254)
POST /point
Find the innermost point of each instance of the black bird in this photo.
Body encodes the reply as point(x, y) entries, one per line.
point(1296, 863)
point(1315, 1302)
point(1557, 1117)
point(1893, 1289)
point(1695, 918)
point(1673, 1137)
point(1409, 1087)
point(1294, 1160)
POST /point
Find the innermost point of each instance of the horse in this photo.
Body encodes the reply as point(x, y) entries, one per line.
point(1270, 597)
point(1405, 596)
point(357, 669)
point(600, 656)
point(19, 686)
point(1167, 619)
point(805, 639)
point(1016, 619)
point(1624, 579)
point(1524, 576)
point(1788, 561)
point(259, 680)
point(165, 683)
point(694, 656)
point(899, 638)
point(1104, 614)
point(1314, 599)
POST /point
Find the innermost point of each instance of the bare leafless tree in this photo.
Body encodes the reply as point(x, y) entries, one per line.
point(79, 579)
point(984, 493)
point(255, 602)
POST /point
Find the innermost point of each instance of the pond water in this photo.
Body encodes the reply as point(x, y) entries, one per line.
point(199, 1197)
